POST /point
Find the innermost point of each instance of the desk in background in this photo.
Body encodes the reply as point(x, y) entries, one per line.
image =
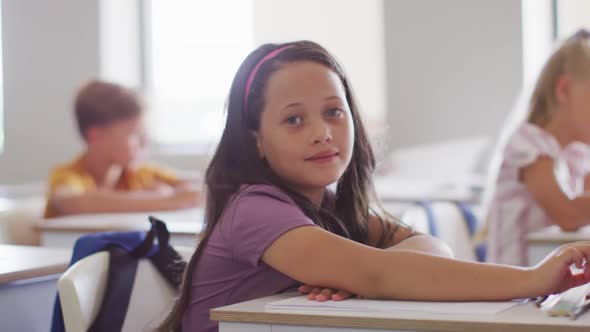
point(6, 206)
point(251, 316)
point(544, 241)
point(28, 285)
point(62, 232)
point(394, 188)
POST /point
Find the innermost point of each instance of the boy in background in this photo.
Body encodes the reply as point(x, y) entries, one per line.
point(109, 175)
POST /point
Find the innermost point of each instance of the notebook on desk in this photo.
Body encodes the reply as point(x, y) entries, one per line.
point(570, 303)
point(363, 306)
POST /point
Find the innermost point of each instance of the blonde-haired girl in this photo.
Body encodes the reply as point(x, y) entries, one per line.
point(546, 161)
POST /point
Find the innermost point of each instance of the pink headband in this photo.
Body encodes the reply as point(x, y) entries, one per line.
point(255, 70)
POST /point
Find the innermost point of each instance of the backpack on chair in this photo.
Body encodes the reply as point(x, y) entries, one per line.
point(126, 291)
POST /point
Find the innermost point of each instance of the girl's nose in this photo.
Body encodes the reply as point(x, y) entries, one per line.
point(322, 133)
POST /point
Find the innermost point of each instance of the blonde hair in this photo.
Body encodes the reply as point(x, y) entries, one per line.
point(571, 58)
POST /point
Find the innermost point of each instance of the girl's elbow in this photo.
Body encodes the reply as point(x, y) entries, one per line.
point(570, 219)
point(570, 222)
point(569, 226)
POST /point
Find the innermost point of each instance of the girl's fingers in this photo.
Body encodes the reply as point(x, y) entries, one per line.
point(314, 293)
point(574, 255)
point(578, 280)
point(324, 295)
point(582, 247)
point(305, 289)
point(341, 295)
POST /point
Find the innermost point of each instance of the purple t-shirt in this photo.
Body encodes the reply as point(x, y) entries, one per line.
point(230, 269)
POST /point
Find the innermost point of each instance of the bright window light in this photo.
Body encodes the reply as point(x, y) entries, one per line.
point(194, 48)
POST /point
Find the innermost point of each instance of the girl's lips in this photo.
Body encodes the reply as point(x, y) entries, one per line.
point(323, 158)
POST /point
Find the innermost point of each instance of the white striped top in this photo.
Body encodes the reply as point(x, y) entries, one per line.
point(513, 211)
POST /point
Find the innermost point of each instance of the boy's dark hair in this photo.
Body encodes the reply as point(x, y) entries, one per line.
point(100, 103)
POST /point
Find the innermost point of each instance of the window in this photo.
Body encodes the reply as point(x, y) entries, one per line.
point(192, 50)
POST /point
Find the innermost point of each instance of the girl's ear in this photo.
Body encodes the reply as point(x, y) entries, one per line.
point(259, 148)
point(563, 89)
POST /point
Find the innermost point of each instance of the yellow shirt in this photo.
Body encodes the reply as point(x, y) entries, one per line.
point(74, 175)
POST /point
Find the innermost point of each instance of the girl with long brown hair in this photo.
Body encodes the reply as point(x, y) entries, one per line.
point(293, 129)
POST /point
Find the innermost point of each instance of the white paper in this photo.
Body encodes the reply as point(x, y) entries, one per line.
point(374, 306)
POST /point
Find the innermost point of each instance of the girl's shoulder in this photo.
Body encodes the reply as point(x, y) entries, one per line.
point(259, 201)
point(529, 142)
point(536, 136)
point(262, 192)
point(256, 217)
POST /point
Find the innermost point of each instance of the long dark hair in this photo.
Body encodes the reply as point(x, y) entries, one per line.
point(236, 161)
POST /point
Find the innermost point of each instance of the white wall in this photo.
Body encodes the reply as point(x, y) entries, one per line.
point(119, 42)
point(351, 30)
point(48, 49)
point(454, 67)
point(573, 15)
point(537, 37)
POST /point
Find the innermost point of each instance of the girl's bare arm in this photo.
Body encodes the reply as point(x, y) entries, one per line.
point(316, 257)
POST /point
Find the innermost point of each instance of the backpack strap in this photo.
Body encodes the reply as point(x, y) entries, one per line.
point(167, 260)
point(144, 248)
point(121, 276)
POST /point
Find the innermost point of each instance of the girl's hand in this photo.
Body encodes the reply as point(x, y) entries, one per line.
point(553, 274)
point(323, 294)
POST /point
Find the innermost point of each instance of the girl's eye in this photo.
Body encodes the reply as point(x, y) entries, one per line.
point(293, 120)
point(334, 112)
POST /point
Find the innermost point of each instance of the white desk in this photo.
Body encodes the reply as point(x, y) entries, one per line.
point(62, 232)
point(6, 206)
point(410, 189)
point(544, 241)
point(28, 285)
point(251, 316)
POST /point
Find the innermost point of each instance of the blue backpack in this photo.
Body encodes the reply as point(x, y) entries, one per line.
point(125, 250)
